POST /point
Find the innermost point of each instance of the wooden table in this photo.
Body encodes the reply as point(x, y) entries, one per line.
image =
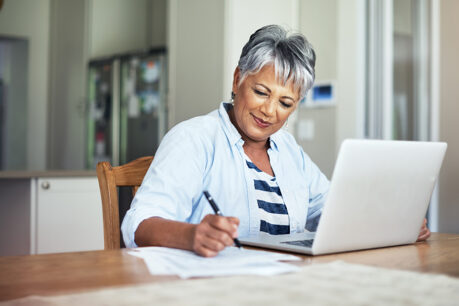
point(75, 272)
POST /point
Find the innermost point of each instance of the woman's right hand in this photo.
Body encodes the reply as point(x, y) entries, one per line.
point(213, 234)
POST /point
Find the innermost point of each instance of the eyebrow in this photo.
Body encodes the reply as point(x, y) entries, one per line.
point(269, 90)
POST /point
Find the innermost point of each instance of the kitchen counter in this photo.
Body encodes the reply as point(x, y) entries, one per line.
point(24, 174)
point(49, 212)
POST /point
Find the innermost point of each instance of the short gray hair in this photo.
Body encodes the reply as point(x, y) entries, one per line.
point(292, 55)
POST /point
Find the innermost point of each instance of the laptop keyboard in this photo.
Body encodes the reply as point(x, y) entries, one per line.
point(303, 243)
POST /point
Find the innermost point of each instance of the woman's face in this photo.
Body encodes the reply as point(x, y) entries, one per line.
point(262, 104)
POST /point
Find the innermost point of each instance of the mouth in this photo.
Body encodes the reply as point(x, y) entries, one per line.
point(260, 122)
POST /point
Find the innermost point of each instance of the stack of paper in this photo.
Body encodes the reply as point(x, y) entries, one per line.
point(230, 261)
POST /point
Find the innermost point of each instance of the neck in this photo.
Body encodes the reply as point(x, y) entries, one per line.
point(254, 146)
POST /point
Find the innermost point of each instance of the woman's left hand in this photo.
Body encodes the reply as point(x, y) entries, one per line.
point(425, 232)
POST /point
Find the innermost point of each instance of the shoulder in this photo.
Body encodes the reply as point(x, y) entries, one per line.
point(203, 124)
point(285, 137)
point(196, 136)
point(288, 145)
point(286, 142)
point(201, 128)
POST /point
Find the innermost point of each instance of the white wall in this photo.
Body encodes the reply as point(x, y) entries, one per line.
point(448, 204)
point(318, 22)
point(118, 26)
point(67, 90)
point(157, 22)
point(32, 25)
point(351, 70)
point(195, 40)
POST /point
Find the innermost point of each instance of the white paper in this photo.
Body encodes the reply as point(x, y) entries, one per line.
point(230, 261)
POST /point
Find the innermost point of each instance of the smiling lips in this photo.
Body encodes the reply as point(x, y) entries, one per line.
point(261, 123)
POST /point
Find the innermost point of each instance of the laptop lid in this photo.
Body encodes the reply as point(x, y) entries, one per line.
point(379, 194)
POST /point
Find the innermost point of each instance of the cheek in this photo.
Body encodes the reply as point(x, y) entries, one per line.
point(240, 114)
point(251, 101)
point(283, 115)
point(244, 107)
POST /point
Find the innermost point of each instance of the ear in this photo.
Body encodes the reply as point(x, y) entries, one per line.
point(236, 79)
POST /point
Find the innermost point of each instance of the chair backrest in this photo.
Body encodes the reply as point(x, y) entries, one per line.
point(110, 178)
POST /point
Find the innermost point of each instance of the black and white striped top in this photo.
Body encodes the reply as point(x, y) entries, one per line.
point(273, 212)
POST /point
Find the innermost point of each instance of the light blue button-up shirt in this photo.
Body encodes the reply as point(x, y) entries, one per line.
point(206, 153)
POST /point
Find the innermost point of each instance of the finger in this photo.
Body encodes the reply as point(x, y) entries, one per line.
point(211, 237)
point(423, 231)
point(199, 240)
point(424, 228)
point(224, 224)
point(202, 241)
point(203, 251)
point(424, 224)
point(220, 236)
point(212, 244)
point(233, 220)
point(424, 235)
point(427, 234)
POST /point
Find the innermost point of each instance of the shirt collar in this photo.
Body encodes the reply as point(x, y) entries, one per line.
point(231, 132)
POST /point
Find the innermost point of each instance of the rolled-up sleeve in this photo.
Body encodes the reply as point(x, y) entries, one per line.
point(171, 184)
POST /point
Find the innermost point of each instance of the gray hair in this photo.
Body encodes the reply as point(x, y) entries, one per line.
point(292, 55)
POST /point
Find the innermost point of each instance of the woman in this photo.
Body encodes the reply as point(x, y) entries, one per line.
point(256, 172)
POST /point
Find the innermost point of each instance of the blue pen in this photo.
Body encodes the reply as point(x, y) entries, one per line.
point(218, 212)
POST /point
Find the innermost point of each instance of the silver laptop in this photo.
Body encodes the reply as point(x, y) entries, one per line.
point(378, 197)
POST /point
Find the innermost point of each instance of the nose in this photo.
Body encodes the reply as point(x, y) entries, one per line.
point(268, 108)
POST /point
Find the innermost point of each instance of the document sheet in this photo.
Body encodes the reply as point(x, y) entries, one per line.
point(230, 261)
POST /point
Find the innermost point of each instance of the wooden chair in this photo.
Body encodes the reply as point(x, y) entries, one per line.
point(110, 178)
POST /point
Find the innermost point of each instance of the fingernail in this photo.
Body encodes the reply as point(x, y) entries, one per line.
point(235, 234)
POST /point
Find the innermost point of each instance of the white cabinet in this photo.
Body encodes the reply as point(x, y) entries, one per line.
point(42, 213)
point(68, 215)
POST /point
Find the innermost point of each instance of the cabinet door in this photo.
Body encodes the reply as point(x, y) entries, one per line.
point(69, 215)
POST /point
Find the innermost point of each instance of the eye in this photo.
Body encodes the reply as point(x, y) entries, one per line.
point(285, 104)
point(260, 93)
